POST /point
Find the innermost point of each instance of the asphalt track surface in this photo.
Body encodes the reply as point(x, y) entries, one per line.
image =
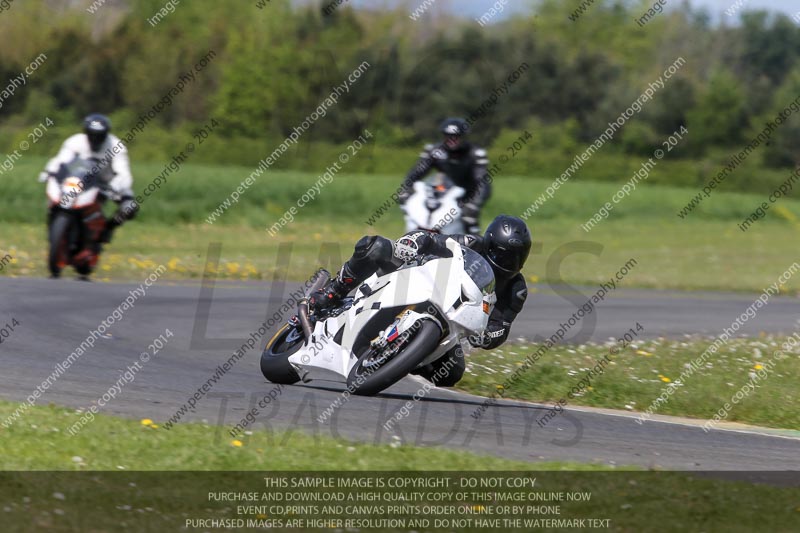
point(55, 316)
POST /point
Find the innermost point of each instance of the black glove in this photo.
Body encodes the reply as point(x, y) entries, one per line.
point(128, 208)
point(493, 336)
point(476, 341)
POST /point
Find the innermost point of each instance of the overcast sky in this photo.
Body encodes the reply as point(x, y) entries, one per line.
point(716, 6)
point(473, 8)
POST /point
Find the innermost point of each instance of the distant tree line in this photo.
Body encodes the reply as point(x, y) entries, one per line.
point(273, 66)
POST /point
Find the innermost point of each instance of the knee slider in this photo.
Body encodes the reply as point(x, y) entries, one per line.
point(382, 249)
point(449, 369)
point(363, 246)
point(374, 248)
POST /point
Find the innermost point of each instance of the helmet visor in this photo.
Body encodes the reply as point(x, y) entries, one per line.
point(504, 258)
point(452, 141)
point(96, 139)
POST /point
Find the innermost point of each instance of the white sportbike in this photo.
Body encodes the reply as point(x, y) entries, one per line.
point(434, 206)
point(392, 325)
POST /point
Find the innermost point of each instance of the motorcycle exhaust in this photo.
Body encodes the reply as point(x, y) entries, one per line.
point(323, 276)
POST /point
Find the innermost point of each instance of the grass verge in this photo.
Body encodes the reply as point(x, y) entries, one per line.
point(691, 256)
point(39, 441)
point(163, 501)
point(638, 374)
point(704, 251)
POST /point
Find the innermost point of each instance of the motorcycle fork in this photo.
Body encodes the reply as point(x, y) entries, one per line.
point(94, 223)
point(90, 224)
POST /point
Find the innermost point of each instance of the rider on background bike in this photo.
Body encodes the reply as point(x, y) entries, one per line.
point(463, 162)
point(110, 156)
point(505, 245)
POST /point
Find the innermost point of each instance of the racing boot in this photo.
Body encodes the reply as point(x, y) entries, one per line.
point(446, 371)
point(107, 230)
point(332, 293)
point(107, 233)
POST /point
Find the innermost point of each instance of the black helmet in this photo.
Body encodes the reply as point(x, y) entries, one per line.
point(96, 128)
point(453, 129)
point(507, 243)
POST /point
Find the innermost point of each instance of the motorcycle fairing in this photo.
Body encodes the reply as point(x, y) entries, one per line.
point(330, 349)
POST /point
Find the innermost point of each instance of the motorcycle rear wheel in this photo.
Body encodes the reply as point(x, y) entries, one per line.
point(366, 382)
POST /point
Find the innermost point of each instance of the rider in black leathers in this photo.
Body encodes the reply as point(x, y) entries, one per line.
point(464, 163)
point(505, 245)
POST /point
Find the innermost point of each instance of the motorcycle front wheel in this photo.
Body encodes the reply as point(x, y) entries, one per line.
point(58, 256)
point(275, 360)
point(371, 375)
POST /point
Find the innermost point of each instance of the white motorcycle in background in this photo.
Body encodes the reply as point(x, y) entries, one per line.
point(434, 206)
point(394, 324)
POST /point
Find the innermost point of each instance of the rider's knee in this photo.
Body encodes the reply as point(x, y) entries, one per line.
point(374, 248)
point(449, 369)
point(370, 254)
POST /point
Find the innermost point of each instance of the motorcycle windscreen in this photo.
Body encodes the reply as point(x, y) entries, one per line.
point(479, 270)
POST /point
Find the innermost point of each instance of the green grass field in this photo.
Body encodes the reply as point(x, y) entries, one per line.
point(637, 375)
point(110, 443)
point(704, 251)
point(56, 501)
